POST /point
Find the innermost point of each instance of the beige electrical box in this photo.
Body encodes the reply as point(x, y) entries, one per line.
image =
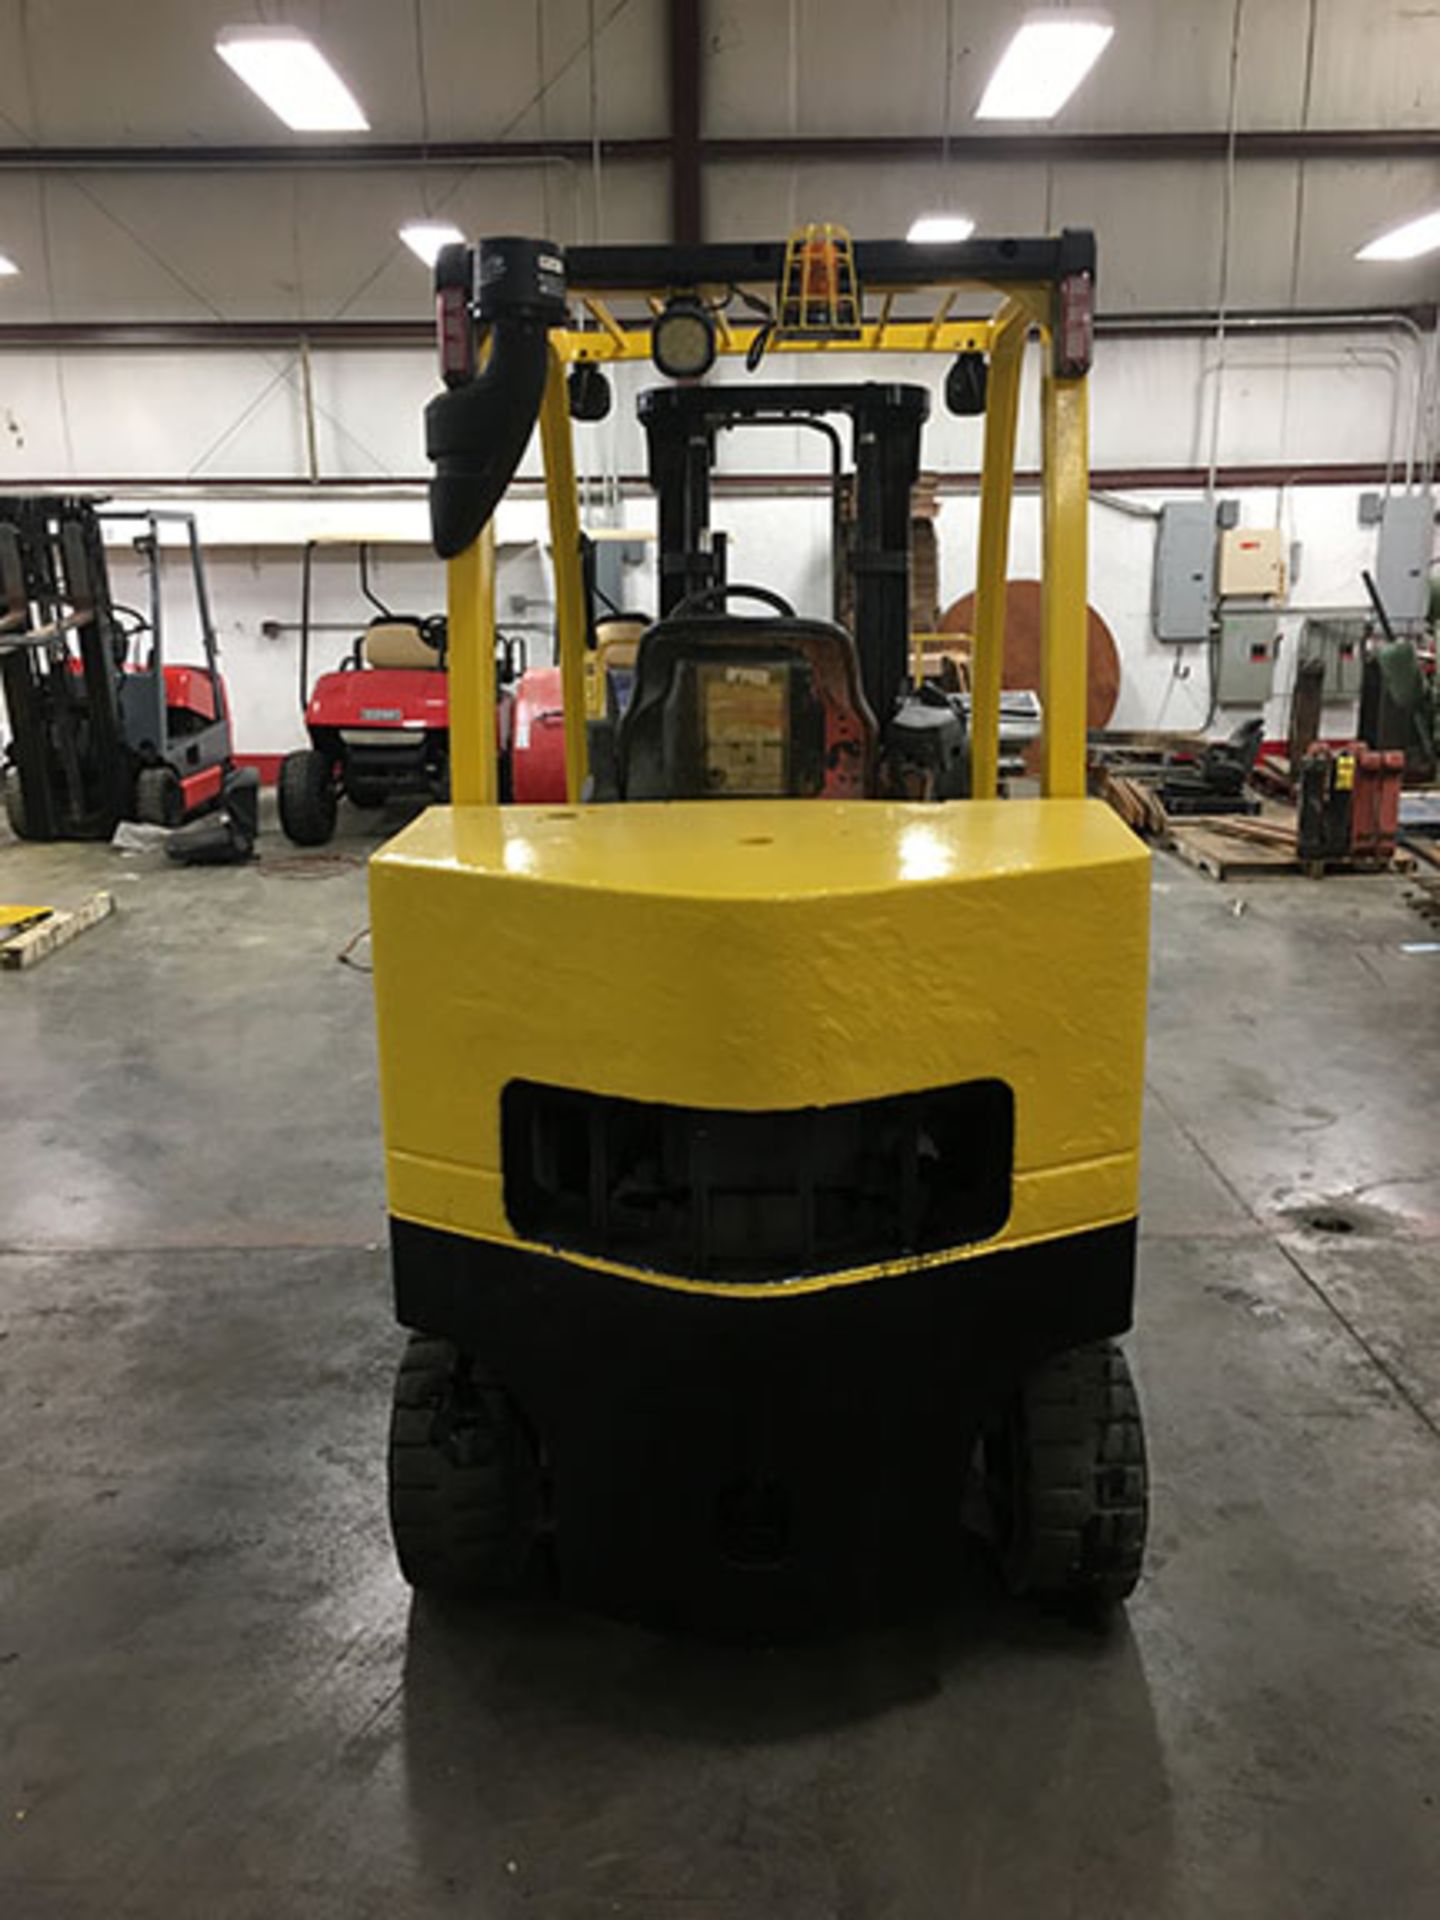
point(1252, 563)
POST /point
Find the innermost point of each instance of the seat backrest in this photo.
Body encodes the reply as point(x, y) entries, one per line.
point(398, 643)
point(730, 707)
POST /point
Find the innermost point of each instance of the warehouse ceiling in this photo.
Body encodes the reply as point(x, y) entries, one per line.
point(1336, 111)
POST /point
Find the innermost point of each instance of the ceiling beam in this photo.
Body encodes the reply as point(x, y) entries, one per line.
point(1358, 144)
point(687, 218)
point(1371, 143)
point(1349, 473)
point(219, 336)
point(323, 155)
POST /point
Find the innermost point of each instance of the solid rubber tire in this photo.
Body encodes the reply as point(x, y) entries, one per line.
point(15, 804)
point(1069, 1479)
point(462, 1476)
point(159, 801)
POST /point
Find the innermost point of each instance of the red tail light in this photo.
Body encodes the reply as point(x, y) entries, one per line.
point(1075, 334)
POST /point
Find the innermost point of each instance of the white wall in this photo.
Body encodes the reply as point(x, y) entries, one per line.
point(780, 542)
point(112, 420)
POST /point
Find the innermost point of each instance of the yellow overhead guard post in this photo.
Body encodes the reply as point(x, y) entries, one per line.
point(855, 1120)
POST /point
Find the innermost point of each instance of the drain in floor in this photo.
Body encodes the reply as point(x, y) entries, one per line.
point(1330, 1223)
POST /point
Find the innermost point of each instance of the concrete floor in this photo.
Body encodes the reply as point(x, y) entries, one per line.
point(216, 1700)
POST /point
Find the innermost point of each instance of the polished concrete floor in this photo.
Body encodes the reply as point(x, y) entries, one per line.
point(216, 1699)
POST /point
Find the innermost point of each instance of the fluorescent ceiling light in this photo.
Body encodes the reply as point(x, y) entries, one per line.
point(7, 266)
point(292, 77)
point(1043, 65)
point(425, 238)
point(932, 227)
point(1407, 242)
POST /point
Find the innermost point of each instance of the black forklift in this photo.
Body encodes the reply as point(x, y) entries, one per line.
point(103, 728)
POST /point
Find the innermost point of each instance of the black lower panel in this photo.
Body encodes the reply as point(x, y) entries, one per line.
point(774, 1451)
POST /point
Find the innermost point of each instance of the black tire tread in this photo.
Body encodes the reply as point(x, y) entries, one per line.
point(158, 799)
point(459, 1507)
point(15, 804)
point(1085, 1497)
point(305, 796)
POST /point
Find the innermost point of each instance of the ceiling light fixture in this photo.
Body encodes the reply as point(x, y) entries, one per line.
point(294, 79)
point(932, 228)
point(7, 266)
point(425, 238)
point(1405, 243)
point(1043, 65)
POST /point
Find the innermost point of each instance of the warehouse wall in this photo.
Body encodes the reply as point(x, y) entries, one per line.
point(780, 542)
point(238, 416)
point(294, 238)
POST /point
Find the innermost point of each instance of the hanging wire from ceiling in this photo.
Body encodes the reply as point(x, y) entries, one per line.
point(1227, 223)
point(422, 89)
point(1297, 235)
point(31, 136)
point(542, 105)
point(792, 103)
point(474, 168)
point(949, 100)
point(593, 48)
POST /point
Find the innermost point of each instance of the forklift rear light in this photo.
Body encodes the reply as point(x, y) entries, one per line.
point(455, 336)
point(1075, 335)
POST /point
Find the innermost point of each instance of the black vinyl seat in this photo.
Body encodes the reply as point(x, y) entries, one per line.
point(728, 707)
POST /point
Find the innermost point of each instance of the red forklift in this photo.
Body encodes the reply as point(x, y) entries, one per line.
point(103, 728)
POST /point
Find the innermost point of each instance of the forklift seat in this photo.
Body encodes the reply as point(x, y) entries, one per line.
point(398, 643)
point(725, 706)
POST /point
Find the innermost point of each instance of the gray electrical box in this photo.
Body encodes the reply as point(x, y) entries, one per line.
point(1184, 570)
point(1402, 557)
point(615, 558)
point(1338, 640)
point(1245, 663)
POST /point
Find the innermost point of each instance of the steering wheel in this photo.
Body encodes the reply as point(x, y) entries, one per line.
point(130, 624)
point(705, 598)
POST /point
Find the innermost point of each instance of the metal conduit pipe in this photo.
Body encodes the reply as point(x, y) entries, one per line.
point(1423, 339)
point(1358, 357)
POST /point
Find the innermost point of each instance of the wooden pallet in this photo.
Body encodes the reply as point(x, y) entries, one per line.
point(39, 937)
point(1242, 849)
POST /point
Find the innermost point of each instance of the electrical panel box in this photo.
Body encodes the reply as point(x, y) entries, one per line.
point(1252, 563)
point(1402, 558)
point(1338, 640)
point(1245, 662)
point(1184, 571)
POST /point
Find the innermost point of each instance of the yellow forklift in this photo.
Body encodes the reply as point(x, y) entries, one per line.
point(762, 1123)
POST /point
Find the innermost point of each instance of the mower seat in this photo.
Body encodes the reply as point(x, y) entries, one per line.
point(733, 707)
point(398, 643)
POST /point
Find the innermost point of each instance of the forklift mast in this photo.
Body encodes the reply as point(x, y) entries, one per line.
point(681, 424)
point(67, 730)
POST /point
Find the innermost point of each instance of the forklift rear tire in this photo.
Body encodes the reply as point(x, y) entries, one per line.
point(464, 1480)
point(1066, 1476)
point(159, 801)
point(307, 798)
point(365, 795)
point(15, 804)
